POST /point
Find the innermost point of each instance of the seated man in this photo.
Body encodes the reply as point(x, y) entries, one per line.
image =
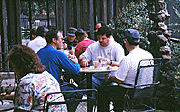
point(127, 71)
point(83, 40)
point(71, 40)
point(56, 61)
point(105, 47)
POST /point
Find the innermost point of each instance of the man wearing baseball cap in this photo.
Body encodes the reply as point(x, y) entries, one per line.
point(70, 39)
point(127, 70)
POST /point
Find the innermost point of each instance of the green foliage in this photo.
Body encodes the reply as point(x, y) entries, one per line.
point(171, 71)
point(134, 15)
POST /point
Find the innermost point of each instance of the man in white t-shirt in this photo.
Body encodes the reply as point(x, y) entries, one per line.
point(105, 47)
point(128, 70)
point(108, 49)
point(39, 42)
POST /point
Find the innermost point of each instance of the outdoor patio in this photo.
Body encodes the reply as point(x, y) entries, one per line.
point(156, 20)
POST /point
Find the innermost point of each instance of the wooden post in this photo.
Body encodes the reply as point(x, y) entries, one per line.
point(78, 14)
point(117, 7)
point(91, 19)
point(98, 10)
point(110, 10)
point(85, 14)
point(13, 18)
point(4, 39)
point(69, 13)
point(47, 9)
point(18, 23)
point(59, 14)
point(30, 15)
point(64, 15)
point(105, 11)
point(3, 30)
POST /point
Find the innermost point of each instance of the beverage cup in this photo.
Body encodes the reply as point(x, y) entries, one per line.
point(103, 63)
point(99, 59)
point(95, 63)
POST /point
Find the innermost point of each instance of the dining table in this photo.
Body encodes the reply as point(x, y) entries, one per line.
point(89, 71)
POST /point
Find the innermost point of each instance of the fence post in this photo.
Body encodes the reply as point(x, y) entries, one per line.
point(64, 15)
point(78, 13)
point(91, 19)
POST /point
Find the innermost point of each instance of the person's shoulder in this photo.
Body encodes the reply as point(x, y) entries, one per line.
point(39, 38)
point(86, 42)
point(91, 41)
point(47, 50)
point(28, 78)
point(95, 44)
point(48, 75)
point(116, 44)
point(145, 51)
point(29, 43)
point(148, 54)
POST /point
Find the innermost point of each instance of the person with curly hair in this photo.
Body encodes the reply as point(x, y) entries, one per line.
point(33, 81)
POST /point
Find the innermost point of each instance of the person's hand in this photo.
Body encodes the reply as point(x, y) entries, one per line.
point(106, 61)
point(73, 58)
point(71, 52)
point(64, 45)
point(84, 63)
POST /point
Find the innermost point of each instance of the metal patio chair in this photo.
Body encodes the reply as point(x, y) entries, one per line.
point(87, 103)
point(144, 92)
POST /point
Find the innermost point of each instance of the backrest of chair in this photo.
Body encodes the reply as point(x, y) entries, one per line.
point(89, 96)
point(147, 78)
point(147, 71)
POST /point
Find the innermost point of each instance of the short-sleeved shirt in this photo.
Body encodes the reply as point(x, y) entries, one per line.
point(32, 89)
point(79, 48)
point(113, 51)
point(55, 61)
point(37, 43)
point(128, 67)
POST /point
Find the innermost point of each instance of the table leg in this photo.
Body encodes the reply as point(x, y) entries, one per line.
point(89, 80)
point(89, 95)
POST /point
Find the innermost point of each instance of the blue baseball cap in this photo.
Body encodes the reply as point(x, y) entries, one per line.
point(132, 34)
